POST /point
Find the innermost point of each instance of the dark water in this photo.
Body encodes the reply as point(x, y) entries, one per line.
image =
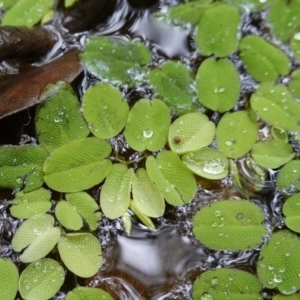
point(161, 264)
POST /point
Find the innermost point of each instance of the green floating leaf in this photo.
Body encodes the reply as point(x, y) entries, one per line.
point(58, 119)
point(174, 180)
point(81, 253)
point(262, 60)
point(291, 210)
point(191, 132)
point(295, 45)
point(288, 179)
point(236, 133)
point(252, 5)
point(294, 84)
point(83, 293)
point(87, 207)
point(38, 236)
point(189, 12)
point(275, 105)
point(27, 12)
point(218, 84)
point(146, 196)
point(115, 192)
point(278, 263)
point(283, 18)
point(217, 31)
point(105, 110)
point(230, 225)
point(41, 280)
point(173, 82)
point(279, 134)
point(77, 166)
point(26, 205)
point(229, 284)
point(9, 278)
point(148, 125)
point(68, 216)
point(117, 60)
point(272, 153)
point(284, 297)
point(17, 163)
point(208, 163)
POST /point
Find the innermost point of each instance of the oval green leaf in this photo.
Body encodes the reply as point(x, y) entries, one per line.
point(77, 166)
point(229, 284)
point(173, 82)
point(275, 105)
point(68, 216)
point(148, 125)
point(58, 119)
point(294, 84)
point(37, 235)
point(115, 192)
point(217, 31)
point(272, 153)
point(41, 280)
point(207, 162)
point(288, 178)
point(20, 164)
point(146, 196)
point(27, 12)
point(87, 208)
point(83, 293)
point(174, 180)
point(218, 84)
point(278, 263)
point(291, 210)
point(230, 225)
point(81, 253)
point(9, 278)
point(119, 61)
point(283, 18)
point(191, 132)
point(26, 205)
point(262, 60)
point(236, 133)
point(105, 110)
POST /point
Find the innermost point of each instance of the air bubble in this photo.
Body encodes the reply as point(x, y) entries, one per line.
point(147, 133)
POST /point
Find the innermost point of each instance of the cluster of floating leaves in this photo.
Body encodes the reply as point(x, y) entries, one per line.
point(179, 143)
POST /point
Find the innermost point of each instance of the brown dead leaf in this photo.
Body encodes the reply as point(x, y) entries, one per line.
point(21, 91)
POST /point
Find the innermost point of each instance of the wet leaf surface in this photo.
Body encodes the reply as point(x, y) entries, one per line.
point(17, 94)
point(291, 210)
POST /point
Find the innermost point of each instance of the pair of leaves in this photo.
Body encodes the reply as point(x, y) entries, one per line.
point(117, 60)
point(278, 264)
point(77, 207)
point(230, 225)
point(276, 106)
point(228, 284)
point(217, 32)
point(38, 236)
point(236, 133)
point(58, 119)
point(173, 82)
point(263, 61)
point(26, 12)
point(218, 84)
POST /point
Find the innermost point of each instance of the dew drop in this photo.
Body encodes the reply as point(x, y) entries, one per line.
point(228, 143)
point(218, 213)
point(147, 133)
point(297, 36)
point(207, 296)
point(214, 166)
point(271, 267)
point(215, 281)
